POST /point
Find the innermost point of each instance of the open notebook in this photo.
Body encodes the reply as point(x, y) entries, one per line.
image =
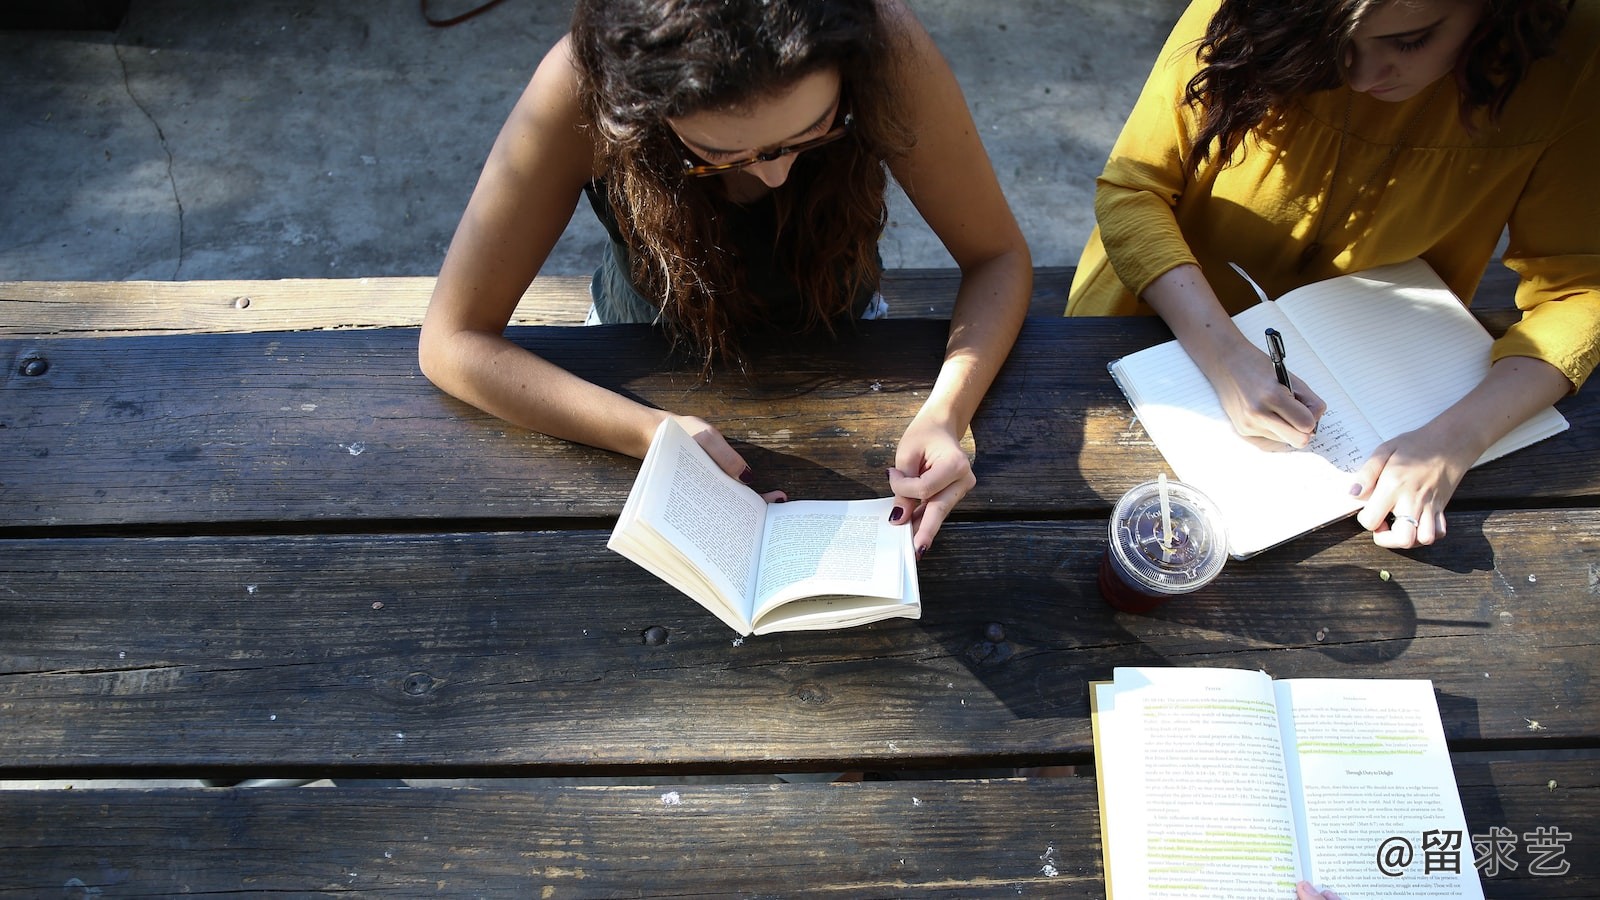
point(1388, 349)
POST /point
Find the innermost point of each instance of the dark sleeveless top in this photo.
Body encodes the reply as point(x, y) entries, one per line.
point(752, 228)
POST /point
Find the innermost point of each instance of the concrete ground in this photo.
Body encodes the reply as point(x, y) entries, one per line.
point(294, 138)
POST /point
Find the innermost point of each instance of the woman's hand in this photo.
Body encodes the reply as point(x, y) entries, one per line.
point(722, 453)
point(1304, 891)
point(930, 476)
point(1413, 477)
point(1257, 405)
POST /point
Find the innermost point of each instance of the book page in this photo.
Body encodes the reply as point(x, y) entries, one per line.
point(1380, 816)
point(838, 611)
point(1266, 496)
point(833, 547)
point(1196, 802)
point(1403, 346)
point(694, 526)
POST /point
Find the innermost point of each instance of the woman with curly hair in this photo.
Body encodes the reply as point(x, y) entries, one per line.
point(1309, 140)
point(737, 152)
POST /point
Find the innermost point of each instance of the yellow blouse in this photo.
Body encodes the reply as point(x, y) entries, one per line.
point(1447, 196)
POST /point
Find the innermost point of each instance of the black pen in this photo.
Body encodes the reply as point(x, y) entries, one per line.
point(1275, 350)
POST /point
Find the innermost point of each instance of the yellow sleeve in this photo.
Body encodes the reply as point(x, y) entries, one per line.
point(1554, 243)
point(1142, 181)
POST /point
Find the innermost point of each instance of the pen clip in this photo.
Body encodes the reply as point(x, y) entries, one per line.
point(1275, 351)
point(1275, 345)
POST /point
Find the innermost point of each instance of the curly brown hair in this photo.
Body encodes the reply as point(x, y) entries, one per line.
point(1256, 57)
point(642, 61)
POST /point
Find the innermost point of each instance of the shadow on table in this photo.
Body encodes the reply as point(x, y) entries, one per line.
point(1320, 607)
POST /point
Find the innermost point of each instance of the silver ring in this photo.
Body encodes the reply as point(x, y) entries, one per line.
point(1401, 518)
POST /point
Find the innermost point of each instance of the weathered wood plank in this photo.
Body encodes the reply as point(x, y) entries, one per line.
point(1014, 837)
point(130, 308)
point(291, 427)
point(523, 652)
point(924, 839)
point(1521, 795)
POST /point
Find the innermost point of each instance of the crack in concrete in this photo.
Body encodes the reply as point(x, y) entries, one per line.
point(161, 135)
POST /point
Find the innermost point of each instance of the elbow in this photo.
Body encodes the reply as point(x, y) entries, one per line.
point(433, 354)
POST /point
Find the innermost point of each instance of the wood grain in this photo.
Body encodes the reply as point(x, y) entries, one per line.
point(338, 426)
point(522, 652)
point(1026, 837)
point(129, 308)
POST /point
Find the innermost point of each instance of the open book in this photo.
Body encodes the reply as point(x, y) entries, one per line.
point(806, 564)
point(1223, 783)
point(1388, 349)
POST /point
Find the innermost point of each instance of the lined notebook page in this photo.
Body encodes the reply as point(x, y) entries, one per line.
point(1266, 497)
point(1403, 347)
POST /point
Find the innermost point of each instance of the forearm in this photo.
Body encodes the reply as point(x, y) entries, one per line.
point(500, 378)
point(1186, 302)
point(990, 307)
point(1515, 388)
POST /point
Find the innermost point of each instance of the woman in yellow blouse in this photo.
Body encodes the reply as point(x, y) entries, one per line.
point(1304, 141)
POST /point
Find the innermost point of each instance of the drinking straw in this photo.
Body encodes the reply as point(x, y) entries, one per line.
point(1166, 513)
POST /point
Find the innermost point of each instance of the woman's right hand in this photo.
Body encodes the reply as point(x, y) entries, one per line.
point(722, 453)
point(1304, 891)
point(1258, 406)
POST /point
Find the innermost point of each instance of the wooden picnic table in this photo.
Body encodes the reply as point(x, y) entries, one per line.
point(242, 554)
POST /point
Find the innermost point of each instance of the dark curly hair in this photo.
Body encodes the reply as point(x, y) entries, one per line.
point(1257, 56)
point(642, 61)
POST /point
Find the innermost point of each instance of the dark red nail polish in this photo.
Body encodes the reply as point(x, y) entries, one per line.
point(747, 476)
point(895, 514)
point(921, 550)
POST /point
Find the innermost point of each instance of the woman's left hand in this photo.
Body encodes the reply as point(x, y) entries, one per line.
point(1412, 477)
point(930, 476)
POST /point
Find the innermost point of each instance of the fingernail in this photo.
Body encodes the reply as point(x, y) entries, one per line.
point(921, 550)
point(1355, 489)
point(747, 476)
point(895, 514)
point(781, 500)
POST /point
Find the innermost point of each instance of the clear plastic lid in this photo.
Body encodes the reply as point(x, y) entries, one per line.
point(1199, 540)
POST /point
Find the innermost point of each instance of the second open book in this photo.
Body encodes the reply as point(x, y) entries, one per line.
point(1388, 349)
point(760, 567)
point(1224, 783)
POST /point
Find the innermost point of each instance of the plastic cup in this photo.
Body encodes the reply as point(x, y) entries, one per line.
point(1139, 572)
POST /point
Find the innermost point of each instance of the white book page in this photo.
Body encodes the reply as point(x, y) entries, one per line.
point(817, 613)
point(1368, 760)
point(1403, 346)
point(709, 517)
point(815, 547)
point(1266, 496)
point(1196, 801)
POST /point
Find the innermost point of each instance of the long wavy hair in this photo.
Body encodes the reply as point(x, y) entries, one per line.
point(642, 61)
point(1256, 57)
